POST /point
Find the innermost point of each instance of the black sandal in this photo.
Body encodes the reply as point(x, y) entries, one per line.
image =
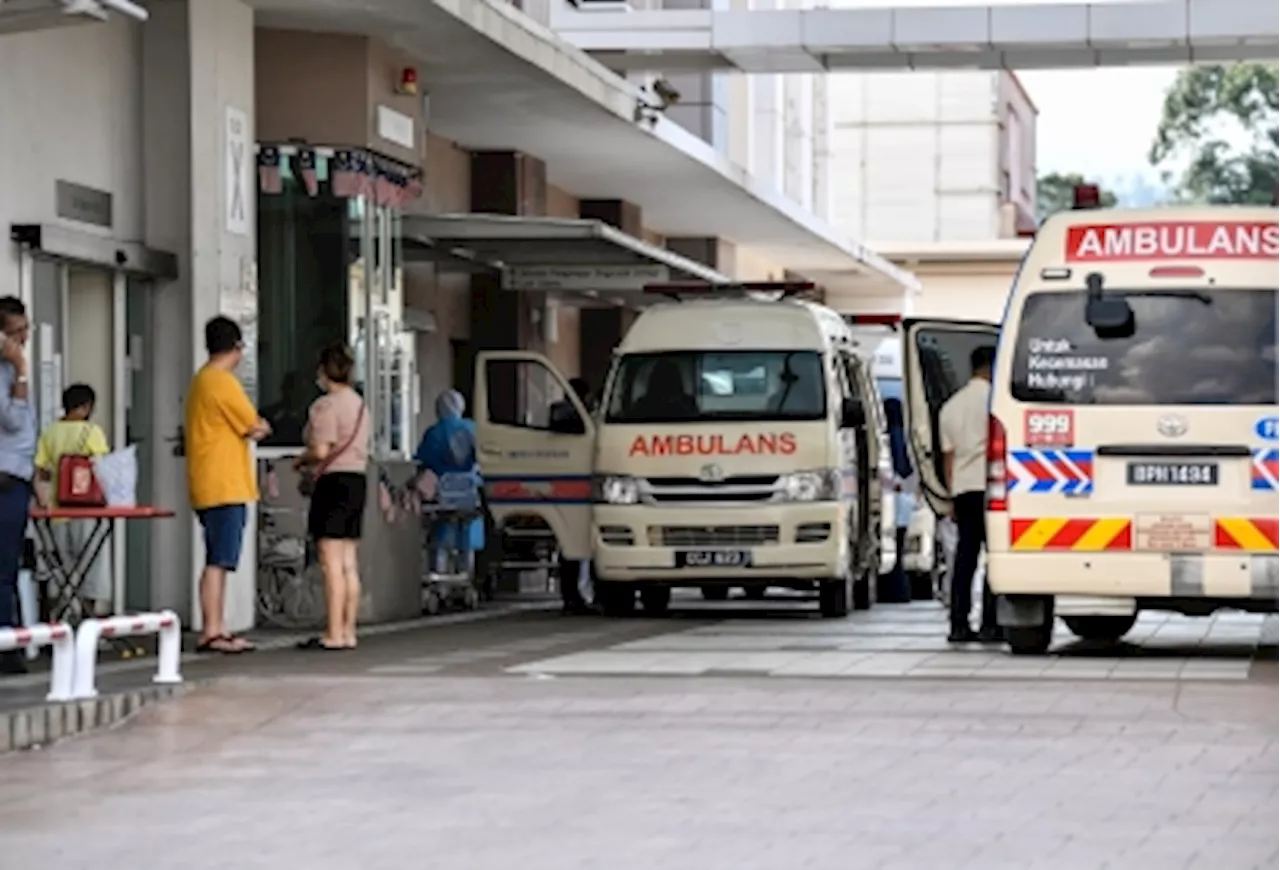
point(220, 645)
point(317, 643)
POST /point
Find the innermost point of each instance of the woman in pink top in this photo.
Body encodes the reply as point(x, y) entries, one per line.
point(337, 457)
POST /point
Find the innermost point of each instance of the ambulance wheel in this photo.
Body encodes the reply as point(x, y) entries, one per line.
point(715, 593)
point(655, 600)
point(835, 598)
point(1029, 640)
point(755, 593)
point(864, 593)
point(616, 599)
point(1103, 629)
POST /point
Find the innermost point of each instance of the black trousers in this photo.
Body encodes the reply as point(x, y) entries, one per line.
point(971, 523)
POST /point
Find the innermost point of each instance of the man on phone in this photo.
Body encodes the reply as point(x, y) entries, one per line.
point(221, 421)
point(17, 465)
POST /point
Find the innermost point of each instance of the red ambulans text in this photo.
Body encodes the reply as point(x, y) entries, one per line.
point(1186, 240)
point(765, 444)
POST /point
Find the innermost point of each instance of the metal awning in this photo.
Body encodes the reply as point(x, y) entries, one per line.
point(564, 255)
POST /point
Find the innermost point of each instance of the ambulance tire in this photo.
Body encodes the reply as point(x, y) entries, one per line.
point(755, 593)
point(835, 598)
point(1101, 629)
point(1029, 640)
point(864, 593)
point(655, 600)
point(719, 592)
point(616, 599)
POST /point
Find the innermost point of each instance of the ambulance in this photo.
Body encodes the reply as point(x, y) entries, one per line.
point(923, 558)
point(1132, 449)
point(730, 448)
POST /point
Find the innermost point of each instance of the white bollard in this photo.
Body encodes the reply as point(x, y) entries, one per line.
point(59, 636)
point(165, 623)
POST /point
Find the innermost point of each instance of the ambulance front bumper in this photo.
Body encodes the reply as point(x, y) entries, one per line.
point(803, 541)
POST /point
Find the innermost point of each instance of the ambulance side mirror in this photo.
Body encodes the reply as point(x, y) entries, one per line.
point(852, 414)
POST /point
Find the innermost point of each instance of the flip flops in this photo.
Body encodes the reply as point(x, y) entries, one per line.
point(317, 643)
point(225, 644)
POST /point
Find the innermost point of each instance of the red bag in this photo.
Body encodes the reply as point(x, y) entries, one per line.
point(78, 485)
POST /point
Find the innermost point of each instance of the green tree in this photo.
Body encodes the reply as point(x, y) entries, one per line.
point(1055, 192)
point(1217, 139)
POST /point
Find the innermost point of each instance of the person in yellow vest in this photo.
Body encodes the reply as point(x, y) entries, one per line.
point(75, 435)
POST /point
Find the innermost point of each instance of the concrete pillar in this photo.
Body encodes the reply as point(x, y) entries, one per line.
point(197, 119)
point(504, 182)
point(708, 250)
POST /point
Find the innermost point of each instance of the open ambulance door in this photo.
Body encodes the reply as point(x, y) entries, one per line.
point(935, 354)
point(535, 441)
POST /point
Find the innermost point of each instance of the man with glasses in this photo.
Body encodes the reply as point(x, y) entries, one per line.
point(220, 423)
point(17, 465)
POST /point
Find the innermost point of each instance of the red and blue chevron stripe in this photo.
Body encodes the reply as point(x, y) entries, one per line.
point(1064, 472)
point(1265, 472)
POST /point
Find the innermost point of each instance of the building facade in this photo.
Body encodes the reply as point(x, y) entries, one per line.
point(422, 180)
point(937, 169)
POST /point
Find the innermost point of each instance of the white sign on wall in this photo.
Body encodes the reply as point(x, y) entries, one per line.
point(239, 191)
point(585, 277)
point(396, 127)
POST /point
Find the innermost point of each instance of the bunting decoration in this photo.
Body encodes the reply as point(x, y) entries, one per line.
point(306, 169)
point(349, 173)
point(269, 180)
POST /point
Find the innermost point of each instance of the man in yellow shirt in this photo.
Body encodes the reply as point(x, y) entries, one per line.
point(221, 421)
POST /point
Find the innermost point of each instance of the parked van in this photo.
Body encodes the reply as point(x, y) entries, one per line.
point(730, 447)
point(1133, 432)
point(923, 558)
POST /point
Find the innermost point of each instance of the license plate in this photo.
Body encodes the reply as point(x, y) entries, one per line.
point(713, 558)
point(1173, 474)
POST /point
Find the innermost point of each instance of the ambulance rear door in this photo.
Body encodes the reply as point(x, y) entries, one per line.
point(936, 355)
point(535, 441)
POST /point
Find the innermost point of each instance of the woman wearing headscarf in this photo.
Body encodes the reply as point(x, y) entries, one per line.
point(448, 447)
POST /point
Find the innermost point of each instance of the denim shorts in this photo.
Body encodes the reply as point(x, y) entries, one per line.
point(223, 534)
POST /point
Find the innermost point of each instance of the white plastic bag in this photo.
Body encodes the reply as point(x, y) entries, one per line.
point(118, 476)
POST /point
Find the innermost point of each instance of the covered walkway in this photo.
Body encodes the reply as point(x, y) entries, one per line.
point(1041, 36)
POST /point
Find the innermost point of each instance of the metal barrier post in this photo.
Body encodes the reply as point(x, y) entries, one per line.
point(59, 636)
point(165, 623)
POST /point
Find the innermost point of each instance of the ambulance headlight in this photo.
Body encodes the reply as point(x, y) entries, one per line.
point(610, 489)
point(810, 485)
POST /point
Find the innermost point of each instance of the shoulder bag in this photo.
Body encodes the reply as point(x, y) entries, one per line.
point(78, 485)
point(307, 482)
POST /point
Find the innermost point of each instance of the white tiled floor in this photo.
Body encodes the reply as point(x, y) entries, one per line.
point(910, 641)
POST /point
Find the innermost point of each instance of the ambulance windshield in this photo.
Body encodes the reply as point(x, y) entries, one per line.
point(696, 386)
point(1186, 348)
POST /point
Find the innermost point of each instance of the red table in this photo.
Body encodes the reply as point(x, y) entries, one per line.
point(68, 570)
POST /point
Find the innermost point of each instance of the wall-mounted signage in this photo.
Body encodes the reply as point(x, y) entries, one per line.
point(584, 278)
point(236, 182)
point(88, 205)
point(396, 127)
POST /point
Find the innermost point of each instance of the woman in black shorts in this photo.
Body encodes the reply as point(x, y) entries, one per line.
point(337, 459)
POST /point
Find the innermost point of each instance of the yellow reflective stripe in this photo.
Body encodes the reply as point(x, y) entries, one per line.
point(1100, 534)
point(1040, 533)
point(1246, 534)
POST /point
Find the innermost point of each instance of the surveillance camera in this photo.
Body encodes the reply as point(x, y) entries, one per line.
point(666, 92)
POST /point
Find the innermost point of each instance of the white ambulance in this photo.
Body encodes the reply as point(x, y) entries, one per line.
point(923, 558)
point(729, 449)
point(1133, 427)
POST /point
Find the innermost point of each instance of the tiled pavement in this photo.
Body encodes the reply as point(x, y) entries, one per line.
point(444, 748)
point(908, 641)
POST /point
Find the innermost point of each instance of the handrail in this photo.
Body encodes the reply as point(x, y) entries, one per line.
point(165, 623)
point(57, 635)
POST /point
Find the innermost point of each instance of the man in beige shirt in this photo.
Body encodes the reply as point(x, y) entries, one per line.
point(963, 425)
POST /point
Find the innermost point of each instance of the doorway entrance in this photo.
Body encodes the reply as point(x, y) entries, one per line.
point(87, 327)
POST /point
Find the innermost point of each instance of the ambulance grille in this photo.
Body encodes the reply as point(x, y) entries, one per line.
point(714, 536)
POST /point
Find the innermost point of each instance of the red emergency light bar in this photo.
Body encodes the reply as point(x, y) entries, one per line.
point(1086, 196)
point(705, 288)
point(873, 319)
